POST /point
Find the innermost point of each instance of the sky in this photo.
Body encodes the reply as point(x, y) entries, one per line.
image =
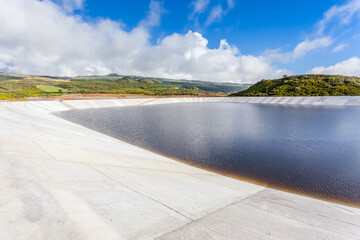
point(240, 41)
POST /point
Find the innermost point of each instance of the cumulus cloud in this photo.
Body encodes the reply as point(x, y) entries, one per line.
point(37, 37)
point(342, 14)
point(349, 67)
point(190, 58)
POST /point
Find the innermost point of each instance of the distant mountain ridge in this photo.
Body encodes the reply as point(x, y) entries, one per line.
point(305, 85)
point(22, 86)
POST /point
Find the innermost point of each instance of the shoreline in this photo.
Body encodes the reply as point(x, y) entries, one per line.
point(176, 198)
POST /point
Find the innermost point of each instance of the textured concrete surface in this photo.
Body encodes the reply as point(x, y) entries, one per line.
point(59, 180)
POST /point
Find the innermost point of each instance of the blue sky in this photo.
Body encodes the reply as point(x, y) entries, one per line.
point(216, 40)
point(254, 25)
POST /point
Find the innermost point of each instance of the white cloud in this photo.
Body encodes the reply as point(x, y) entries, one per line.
point(303, 48)
point(199, 7)
point(342, 14)
point(71, 5)
point(187, 56)
point(339, 47)
point(231, 4)
point(215, 15)
point(37, 37)
point(154, 14)
point(349, 67)
point(334, 18)
point(308, 45)
point(217, 12)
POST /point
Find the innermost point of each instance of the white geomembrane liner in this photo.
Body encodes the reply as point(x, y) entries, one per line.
point(60, 180)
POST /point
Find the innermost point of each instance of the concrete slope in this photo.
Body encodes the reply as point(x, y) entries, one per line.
point(59, 180)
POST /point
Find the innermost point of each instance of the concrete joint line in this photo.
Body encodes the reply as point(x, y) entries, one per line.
point(190, 219)
point(144, 103)
point(45, 150)
point(217, 210)
point(293, 219)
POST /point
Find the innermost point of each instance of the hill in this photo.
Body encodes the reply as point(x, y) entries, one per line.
point(305, 85)
point(13, 86)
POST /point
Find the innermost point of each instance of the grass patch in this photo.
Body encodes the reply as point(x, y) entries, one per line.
point(52, 89)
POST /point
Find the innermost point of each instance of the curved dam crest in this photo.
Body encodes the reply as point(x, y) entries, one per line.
point(58, 178)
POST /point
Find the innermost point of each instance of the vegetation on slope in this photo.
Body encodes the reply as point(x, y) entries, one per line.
point(305, 85)
point(22, 86)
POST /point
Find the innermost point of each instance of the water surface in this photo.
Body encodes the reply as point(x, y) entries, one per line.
point(309, 150)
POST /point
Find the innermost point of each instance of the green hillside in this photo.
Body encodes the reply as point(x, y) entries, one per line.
point(305, 85)
point(21, 86)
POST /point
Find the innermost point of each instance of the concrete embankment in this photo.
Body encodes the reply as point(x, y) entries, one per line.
point(59, 180)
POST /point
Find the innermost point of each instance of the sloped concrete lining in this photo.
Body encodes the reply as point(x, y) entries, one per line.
point(59, 180)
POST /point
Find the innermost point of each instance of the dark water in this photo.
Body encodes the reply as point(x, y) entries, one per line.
point(309, 150)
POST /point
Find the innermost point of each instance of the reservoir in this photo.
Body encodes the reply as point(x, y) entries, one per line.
point(313, 151)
